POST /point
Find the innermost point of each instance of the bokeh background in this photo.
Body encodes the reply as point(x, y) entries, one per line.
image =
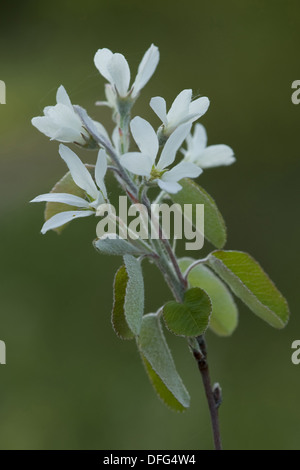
point(69, 383)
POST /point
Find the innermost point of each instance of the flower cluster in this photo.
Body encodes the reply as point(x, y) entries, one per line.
point(154, 164)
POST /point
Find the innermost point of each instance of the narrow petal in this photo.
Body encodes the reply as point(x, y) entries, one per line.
point(119, 71)
point(146, 69)
point(182, 170)
point(199, 106)
point(172, 145)
point(101, 60)
point(64, 198)
point(63, 218)
point(169, 186)
point(159, 106)
point(216, 155)
point(116, 139)
point(145, 137)
point(180, 107)
point(199, 138)
point(137, 163)
point(100, 171)
point(63, 97)
point(79, 172)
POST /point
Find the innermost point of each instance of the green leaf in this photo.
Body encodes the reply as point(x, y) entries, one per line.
point(191, 317)
point(224, 317)
point(162, 391)
point(116, 246)
point(252, 285)
point(160, 365)
point(134, 297)
point(214, 225)
point(64, 185)
point(118, 314)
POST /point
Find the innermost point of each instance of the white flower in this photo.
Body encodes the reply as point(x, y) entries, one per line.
point(82, 177)
point(206, 157)
point(115, 68)
point(143, 163)
point(183, 110)
point(62, 123)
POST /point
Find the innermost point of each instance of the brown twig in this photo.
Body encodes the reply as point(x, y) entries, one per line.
point(213, 394)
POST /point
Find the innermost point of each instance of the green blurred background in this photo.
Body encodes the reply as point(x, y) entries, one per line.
point(69, 383)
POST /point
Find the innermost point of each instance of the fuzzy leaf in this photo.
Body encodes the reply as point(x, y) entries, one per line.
point(134, 297)
point(155, 351)
point(252, 285)
point(162, 391)
point(191, 317)
point(116, 246)
point(214, 225)
point(224, 318)
point(118, 314)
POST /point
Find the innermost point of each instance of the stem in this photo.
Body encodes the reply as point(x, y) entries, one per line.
point(176, 281)
point(107, 145)
point(168, 249)
point(212, 395)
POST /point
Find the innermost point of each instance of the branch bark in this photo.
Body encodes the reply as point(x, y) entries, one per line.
point(213, 394)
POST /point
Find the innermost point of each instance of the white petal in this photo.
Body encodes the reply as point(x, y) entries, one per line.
point(66, 134)
point(159, 106)
point(172, 145)
point(180, 107)
point(119, 71)
point(169, 186)
point(44, 125)
point(63, 116)
point(101, 60)
point(182, 170)
point(63, 97)
point(199, 106)
point(199, 138)
point(146, 69)
point(137, 163)
point(216, 155)
point(116, 139)
point(100, 171)
point(145, 137)
point(62, 218)
point(64, 198)
point(111, 95)
point(79, 172)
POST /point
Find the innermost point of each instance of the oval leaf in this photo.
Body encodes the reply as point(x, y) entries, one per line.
point(224, 317)
point(252, 285)
point(116, 246)
point(118, 314)
point(191, 317)
point(162, 391)
point(154, 349)
point(64, 185)
point(214, 226)
point(134, 296)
